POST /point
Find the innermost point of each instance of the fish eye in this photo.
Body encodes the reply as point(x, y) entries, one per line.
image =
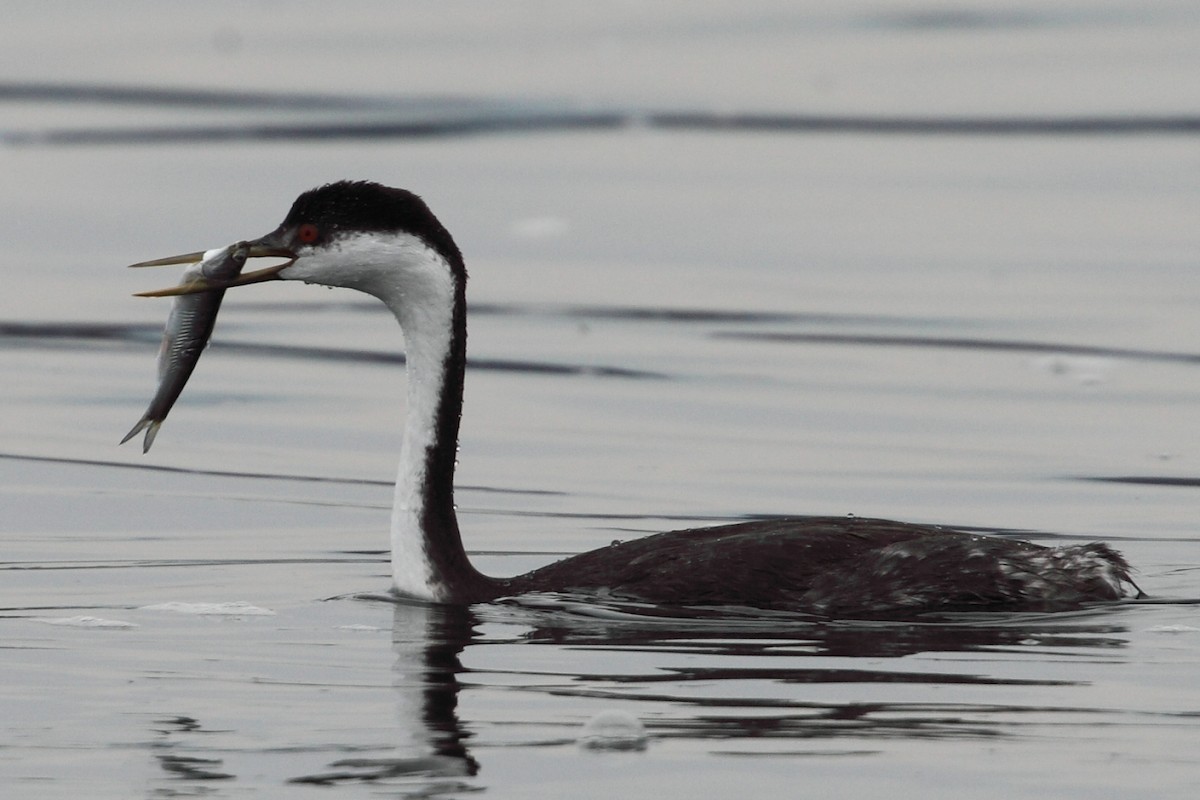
point(308, 233)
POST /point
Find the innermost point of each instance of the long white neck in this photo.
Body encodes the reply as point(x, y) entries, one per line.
point(427, 296)
point(427, 324)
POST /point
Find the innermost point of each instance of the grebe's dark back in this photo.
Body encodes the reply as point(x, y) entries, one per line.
point(387, 243)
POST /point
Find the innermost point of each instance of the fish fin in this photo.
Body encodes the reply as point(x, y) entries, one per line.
point(151, 432)
point(151, 427)
point(143, 422)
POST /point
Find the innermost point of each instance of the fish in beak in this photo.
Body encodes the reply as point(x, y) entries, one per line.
point(266, 247)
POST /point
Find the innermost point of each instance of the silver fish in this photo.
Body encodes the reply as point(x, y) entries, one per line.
point(188, 329)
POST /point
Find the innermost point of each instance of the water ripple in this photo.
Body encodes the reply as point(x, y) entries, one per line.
point(333, 118)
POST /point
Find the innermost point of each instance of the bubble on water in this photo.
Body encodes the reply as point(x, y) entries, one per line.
point(613, 730)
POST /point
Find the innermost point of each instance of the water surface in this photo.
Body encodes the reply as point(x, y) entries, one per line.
point(986, 319)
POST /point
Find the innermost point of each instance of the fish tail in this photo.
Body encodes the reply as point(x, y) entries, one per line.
point(143, 422)
point(151, 427)
point(151, 432)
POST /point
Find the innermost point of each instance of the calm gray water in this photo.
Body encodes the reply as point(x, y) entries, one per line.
point(931, 262)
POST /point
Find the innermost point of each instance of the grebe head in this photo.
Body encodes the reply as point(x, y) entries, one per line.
point(363, 236)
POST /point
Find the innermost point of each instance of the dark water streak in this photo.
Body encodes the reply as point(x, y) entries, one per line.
point(965, 343)
point(59, 334)
point(426, 117)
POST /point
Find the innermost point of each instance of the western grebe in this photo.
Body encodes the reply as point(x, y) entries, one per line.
point(387, 243)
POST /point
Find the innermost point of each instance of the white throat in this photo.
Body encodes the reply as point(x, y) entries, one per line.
point(417, 284)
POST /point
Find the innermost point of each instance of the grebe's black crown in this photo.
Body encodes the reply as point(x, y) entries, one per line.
point(348, 207)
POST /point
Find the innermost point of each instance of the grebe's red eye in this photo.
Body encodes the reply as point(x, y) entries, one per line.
point(308, 233)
